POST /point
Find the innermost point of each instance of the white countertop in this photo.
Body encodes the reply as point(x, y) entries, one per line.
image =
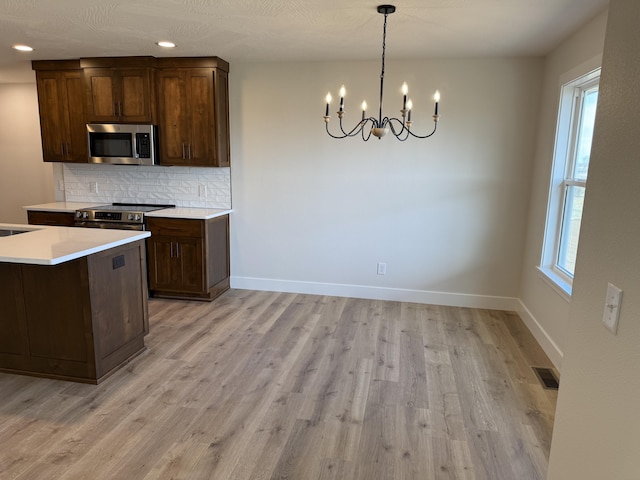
point(43, 245)
point(189, 213)
point(178, 212)
point(61, 206)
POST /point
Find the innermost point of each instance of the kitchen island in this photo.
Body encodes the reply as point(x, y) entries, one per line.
point(73, 302)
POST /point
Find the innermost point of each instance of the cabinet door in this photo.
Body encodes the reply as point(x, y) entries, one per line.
point(200, 98)
point(53, 126)
point(118, 95)
point(161, 270)
point(62, 116)
point(173, 113)
point(190, 264)
point(102, 104)
point(135, 95)
point(76, 150)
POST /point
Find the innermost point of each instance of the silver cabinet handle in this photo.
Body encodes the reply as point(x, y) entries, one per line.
point(189, 151)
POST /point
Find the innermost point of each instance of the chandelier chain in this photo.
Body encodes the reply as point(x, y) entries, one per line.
point(384, 49)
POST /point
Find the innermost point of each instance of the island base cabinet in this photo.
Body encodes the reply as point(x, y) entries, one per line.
point(78, 320)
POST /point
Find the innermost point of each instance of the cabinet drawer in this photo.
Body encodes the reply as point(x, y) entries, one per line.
point(179, 228)
point(61, 219)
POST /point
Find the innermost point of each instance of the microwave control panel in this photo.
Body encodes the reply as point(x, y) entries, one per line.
point(143, 141)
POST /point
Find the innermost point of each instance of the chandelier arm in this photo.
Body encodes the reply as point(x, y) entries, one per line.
point(332, 135)
point(401, 123)
point(373, 123)
point(435, 127)
point(354, 131)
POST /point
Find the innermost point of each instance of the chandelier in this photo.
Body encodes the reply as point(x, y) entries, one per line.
point(400, 127)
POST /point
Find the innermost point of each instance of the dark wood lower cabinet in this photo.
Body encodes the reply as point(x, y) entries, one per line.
point(78, 320)
point(188, 258)
point(61, 219)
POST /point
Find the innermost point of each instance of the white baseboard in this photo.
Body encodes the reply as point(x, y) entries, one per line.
point(544, 340)
point(376, 293)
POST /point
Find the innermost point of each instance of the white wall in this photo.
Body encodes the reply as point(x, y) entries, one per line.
point(544, 309)
point(24, 178)
point(597, 420)
point(446, 214)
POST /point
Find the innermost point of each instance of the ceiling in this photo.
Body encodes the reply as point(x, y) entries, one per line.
point(281, 30)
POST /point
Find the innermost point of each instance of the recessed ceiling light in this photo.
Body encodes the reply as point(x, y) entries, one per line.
point(166, 44)
point(23, 48)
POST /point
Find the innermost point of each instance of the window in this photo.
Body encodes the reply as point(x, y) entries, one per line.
point(576, 120)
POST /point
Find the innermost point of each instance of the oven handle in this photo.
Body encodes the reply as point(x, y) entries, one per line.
point(113, 226)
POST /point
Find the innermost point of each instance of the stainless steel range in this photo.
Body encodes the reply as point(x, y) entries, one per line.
point(124, 216)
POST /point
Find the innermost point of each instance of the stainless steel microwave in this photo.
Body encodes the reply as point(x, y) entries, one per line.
point(122, 144)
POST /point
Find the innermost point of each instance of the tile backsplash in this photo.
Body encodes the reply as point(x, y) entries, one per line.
point(182, 186)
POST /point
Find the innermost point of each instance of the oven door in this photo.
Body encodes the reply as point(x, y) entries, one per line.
point(112, 225)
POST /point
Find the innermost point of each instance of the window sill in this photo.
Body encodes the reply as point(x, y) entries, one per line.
point(556, 282)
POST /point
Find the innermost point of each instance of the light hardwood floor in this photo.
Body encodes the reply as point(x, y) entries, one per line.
point(261, 385)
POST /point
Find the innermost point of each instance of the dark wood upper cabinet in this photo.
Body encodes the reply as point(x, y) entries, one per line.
point(188, 98)
point(119, 89)
point(193, 111)
point(62, 111)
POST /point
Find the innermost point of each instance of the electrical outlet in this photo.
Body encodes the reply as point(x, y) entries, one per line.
point(61, 185)
point(93, 187)
point(382, 268)
point(612, 308)
point(202, 190)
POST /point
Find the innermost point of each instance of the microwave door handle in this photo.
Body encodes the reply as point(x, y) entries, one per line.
point(136, 147)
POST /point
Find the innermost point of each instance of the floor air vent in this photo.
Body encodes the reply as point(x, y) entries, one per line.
point(547, 378)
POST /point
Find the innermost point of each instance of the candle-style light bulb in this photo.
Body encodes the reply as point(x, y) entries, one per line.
point(328, 99)
point(436, 98)
point(405, 90)
point(409, 107)
point(343, 91)
point(364, 108)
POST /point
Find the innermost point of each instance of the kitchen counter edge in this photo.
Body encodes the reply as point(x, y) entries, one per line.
point(188, 213)
point(68, 207)
point(46, 245)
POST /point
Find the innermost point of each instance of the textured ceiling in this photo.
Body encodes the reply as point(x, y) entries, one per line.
point(257, 30)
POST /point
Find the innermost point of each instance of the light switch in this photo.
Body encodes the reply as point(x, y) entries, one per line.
point(612, 308)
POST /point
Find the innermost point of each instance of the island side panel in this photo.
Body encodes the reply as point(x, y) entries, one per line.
point(218, 268)
point(14, 347)
point(117, 280)
point(58, 314)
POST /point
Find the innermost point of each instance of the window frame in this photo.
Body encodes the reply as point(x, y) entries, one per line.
point(562, 178)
